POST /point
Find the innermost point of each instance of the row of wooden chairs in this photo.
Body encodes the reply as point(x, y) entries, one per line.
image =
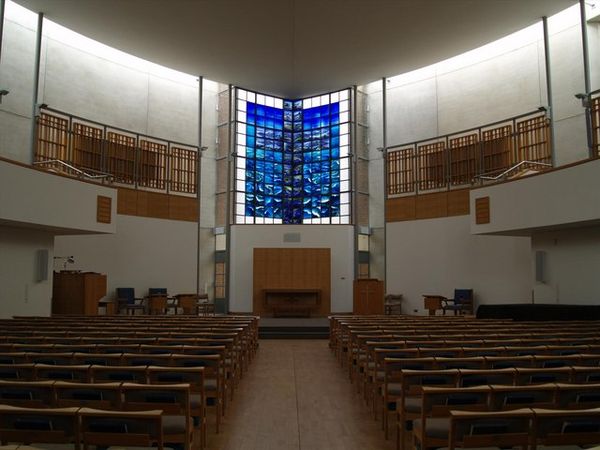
point(380, 352)
point(527, 428)
point(82, 427)
point(432, 420)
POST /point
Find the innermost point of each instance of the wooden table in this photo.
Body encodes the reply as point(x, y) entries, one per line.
point(292, 302)
point(433, 302)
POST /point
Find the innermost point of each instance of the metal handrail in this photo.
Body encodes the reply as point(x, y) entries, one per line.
point(82, 173)
point(510, 169)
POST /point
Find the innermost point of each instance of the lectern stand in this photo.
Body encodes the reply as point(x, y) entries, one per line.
point(77, 292)
point(368, 296)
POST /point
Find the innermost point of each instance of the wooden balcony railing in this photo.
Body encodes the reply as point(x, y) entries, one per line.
point(456, 160)
point(126, 157)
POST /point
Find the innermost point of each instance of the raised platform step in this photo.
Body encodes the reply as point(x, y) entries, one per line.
point(293, 332)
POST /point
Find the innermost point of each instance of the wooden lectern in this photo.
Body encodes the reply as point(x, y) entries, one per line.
point(77, 293)
point(368, 296)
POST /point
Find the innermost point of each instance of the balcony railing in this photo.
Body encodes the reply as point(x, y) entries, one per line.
point(75, 146)
point(457, 160)
point(594, 111)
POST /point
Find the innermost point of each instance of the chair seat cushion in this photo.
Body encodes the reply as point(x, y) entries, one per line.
point(437, 427)
point(210, 385)
point(412, 404)
point(394, 388)
point(173, 424)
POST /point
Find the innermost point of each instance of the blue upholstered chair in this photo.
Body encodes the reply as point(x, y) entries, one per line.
point(127, 301)
point(461, 303)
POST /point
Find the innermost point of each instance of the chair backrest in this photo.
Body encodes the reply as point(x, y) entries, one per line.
point(157, 291)
point(33, 425)
point(126, 294)
point(126, 428)
point(504, 429)
point(89, 395)
point(463, 296)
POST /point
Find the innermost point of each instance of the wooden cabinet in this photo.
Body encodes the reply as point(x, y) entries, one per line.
point(77, 293)
point(368, 296)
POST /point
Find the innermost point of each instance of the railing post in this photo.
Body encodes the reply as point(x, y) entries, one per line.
point(549, 90)
point(136, 162)
point(36, 86)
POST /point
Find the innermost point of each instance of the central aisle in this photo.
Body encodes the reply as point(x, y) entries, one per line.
point(296, 397)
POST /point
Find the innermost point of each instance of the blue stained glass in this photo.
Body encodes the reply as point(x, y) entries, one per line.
point(292, 175)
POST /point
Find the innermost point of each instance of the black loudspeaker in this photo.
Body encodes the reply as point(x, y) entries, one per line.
point(540, 266)
point(41, 265)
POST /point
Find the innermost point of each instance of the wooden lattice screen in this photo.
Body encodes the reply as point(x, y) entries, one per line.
point(120, 157)
point(464, 159)
point(433, 165)
point(533, 137)
point(401, 171)
point(595, 112)
point(184, 163)
point(52, 138)
point(498, 154)
point(87, 146)
point(152, 167)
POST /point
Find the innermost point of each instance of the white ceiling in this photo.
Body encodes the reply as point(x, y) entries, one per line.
point(295, 48)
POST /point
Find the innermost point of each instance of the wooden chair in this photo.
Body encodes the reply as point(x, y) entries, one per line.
point(27, 394)
point(505, 398)
point(194, 376)
point(128, 302)
point(432, 428)
point(566, 427)
point(102, 428)
point(578, 396)
point(106, 374)
point(462, 303)
point(157, 304)
point(392, 304)
point(173, 400)
point(39, 425)
point(67, 372)
point(17, 371)
point(503, 429)
point(90, 395)
point(188, 303)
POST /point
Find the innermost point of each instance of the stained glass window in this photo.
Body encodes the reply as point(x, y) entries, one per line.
point(292, 159)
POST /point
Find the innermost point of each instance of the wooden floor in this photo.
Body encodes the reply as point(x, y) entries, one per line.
point(296, 397)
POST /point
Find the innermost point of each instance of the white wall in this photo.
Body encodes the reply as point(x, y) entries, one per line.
point(143, 253)
point(436, 256)
point(20, 292)
point(564, 197)
point(339, 238)
point(35, 198)
point(572, 262)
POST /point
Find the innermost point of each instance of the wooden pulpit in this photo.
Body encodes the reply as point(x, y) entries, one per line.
point(368, 296)
point(77, 292)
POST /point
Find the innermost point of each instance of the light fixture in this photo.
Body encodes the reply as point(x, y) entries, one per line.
point(3, 92)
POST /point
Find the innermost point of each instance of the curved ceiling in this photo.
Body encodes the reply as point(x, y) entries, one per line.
point(295, 48)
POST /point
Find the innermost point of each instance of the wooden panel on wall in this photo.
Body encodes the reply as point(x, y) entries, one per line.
point(482, 210)
point(183, 208)
point(103, 209)
point(401, 208)
point(127, 202)
point(292, 268)
point(430, 206)
point(458, 202)
point(158, 205)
